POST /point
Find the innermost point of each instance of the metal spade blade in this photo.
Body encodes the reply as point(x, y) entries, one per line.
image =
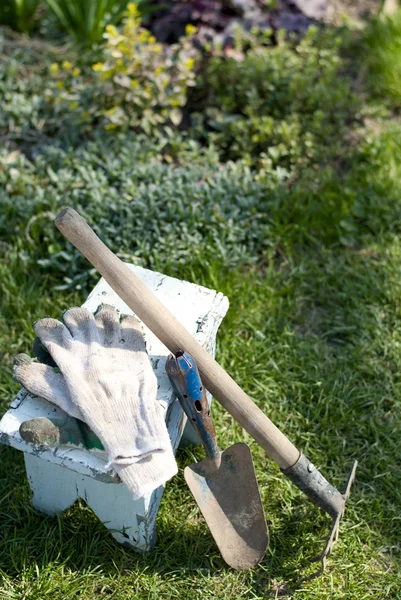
point(226, 491)
point(224, 483)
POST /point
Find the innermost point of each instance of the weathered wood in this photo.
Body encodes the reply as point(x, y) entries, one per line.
point(176, 337)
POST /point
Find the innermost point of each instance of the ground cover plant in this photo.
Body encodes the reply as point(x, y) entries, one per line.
point(283, 194)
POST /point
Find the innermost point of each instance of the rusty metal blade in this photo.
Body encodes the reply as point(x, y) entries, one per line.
point(226, 491)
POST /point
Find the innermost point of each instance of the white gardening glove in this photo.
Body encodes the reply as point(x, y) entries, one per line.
point(106, 379)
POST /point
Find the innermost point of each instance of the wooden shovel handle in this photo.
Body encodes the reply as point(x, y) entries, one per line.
point(174, 335)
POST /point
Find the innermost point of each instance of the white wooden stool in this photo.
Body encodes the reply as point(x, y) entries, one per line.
point(59, 475)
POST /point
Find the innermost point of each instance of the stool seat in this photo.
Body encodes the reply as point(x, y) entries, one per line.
point(59, 475)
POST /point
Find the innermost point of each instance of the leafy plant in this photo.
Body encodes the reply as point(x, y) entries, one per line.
point(278, 105)
point(136, 83)
point(86, 20)
point(18, 14)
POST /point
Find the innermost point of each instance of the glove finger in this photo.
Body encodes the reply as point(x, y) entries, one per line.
point(52, 333)
point(131, 333)
point(39, 379)
point(44, 381)
point(81, 324)
point(108, 323)
point(42, 354)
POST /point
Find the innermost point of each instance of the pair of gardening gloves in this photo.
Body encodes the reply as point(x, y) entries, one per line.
point(102, 376)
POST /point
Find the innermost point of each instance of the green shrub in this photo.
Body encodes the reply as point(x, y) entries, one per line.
point(135, 84)
point(195, 213)
point(281, 105)
point(292, 175)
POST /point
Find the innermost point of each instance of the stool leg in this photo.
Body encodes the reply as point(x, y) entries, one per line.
point(130, 522)
point(53, 487)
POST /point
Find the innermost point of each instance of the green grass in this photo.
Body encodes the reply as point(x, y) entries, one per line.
point(314, 341)
point(311, 265)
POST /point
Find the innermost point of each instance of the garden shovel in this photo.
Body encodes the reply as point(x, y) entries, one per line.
point(224, 483)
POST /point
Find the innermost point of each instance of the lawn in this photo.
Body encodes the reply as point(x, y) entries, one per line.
point(284, 195)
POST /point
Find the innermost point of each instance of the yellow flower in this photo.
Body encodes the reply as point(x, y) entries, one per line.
point(189, 63)
point(59, 85)
point(111, 30)
point(54, 69)
point(110, 126)
point(76, 72)
point(132, 9)
point(190, 30)
point(97, 67)
point(73, 105)
point(66, 65)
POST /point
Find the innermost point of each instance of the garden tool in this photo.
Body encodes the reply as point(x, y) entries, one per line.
point(174, 335)
point(224, 483)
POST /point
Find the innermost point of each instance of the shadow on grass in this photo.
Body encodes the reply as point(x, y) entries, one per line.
point(78, 542)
